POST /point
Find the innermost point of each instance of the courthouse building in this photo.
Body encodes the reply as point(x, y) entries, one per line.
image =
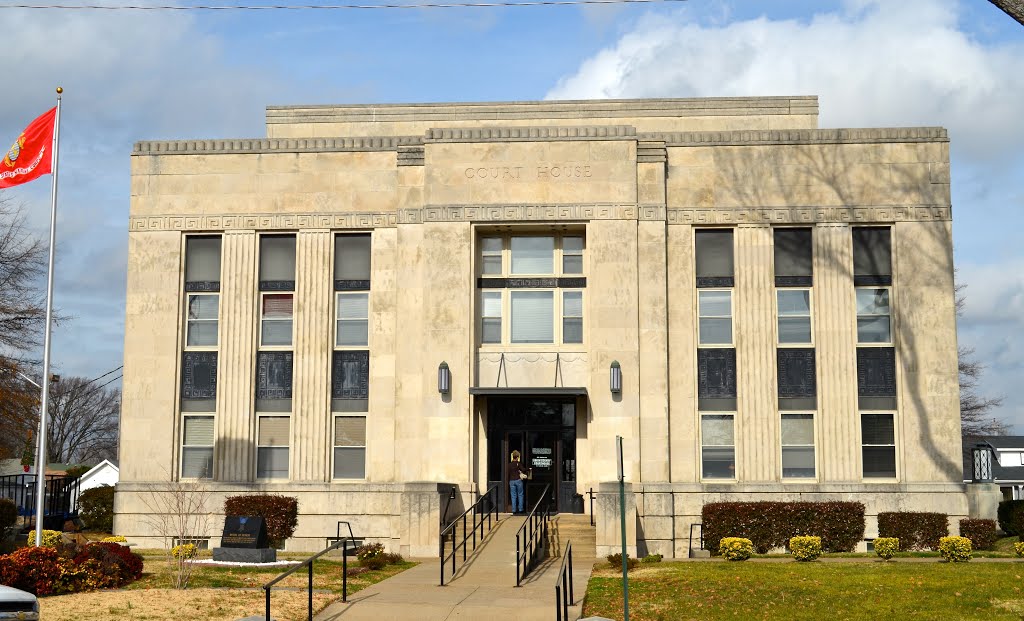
point(378, 303)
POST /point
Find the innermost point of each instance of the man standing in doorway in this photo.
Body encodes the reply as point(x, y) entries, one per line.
point(516, 475)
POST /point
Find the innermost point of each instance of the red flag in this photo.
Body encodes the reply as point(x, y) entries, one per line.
point(29, 156)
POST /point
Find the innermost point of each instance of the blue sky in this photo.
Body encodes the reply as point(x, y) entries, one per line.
point(158, 75)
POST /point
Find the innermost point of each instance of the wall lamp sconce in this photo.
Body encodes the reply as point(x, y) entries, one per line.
point(615, 378)
point(982, 454)
point(444, 379)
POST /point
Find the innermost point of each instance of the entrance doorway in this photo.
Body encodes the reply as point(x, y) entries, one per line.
point(543, 430)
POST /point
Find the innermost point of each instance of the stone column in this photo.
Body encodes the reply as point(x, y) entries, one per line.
point(236, 361)
point(311, 380)
point(682, 355)
point(653, 329)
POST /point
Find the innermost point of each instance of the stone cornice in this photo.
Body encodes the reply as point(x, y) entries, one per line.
point(528, 134)
point(273, 145)
point(581, 212)
point(546, 110)
point(799, 136)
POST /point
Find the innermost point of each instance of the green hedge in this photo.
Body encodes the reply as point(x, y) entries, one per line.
point(915, 530)
point(279, 513)
point(1011, 517)
point(982, 533)
point(771, 524)
point(96, 508)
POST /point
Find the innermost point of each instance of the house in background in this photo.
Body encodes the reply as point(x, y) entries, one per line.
point(1007, 467)
point(104, 473)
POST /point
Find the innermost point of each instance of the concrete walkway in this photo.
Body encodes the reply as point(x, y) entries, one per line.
point(483, 589)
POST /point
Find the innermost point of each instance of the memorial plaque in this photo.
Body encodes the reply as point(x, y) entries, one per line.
point(350, 375)
point(244, 532)
point(716, 373)
point(876, 372)
point(199, 375)
point(274, 375)
point(797, 373)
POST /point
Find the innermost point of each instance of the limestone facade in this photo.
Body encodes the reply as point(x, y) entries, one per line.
point(593, 213)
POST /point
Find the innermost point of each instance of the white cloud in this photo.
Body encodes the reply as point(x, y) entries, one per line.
point(873, 64)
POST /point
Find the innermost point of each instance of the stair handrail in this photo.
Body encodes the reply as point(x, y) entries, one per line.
point(308, 564)
point(482, 521)
point(534, 533)
point(564, 596)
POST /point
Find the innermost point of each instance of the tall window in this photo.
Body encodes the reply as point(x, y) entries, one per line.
point(798, 446)
point(879, 446)
point(349, 447)
point(199, 360)
point(794, 306)
point(718, 446)
point(350, 366)
point(874, 323)
point(272, 447)
point(536, 282)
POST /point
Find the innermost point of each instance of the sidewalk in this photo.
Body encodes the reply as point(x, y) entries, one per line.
point(483, 589)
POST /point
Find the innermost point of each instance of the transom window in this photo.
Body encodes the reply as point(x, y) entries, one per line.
point(531, 255)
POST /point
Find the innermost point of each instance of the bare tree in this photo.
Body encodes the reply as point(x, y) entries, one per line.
point(83, 424)
point(178, 513)
point(19, 413)
point(976, 410)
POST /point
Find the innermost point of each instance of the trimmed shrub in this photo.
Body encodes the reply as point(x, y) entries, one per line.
point(279, 513)
point(184, 551)
point(805, 548)
point(8, 516)
point(1011, 516)
point(114, 539)
point(1019, 548)
point(982, 533)
point(955, 549)
point(652, 558)
point(615, 560)
point(51, 538)
point(118, 564)
point(887, 547)
point(916, 531)
point(735, 548)
point(771, 524)
point(96, 508)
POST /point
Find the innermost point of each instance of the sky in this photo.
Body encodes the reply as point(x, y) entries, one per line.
point(152, 75)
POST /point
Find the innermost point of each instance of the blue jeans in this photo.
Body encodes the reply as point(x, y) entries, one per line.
point(515, 488)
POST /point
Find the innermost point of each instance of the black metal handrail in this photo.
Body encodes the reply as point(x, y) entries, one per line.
point(481, 515)
point(564, 596)
point(308, 563)
point(532, 537)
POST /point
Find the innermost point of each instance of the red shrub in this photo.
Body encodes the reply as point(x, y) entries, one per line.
point(279, 513)
point(916, 531)
point(771, 524)
point(118, 564)
point(982, 533)
point(69, 568)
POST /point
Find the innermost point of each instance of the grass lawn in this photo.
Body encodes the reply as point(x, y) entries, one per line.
point(811, 591)
point(214, 593)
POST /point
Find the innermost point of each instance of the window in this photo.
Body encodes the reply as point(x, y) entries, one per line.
point(277, 263)
point(715, 313)
point(201, 320)
point(197, 447)
point(879, 446)
point(572, 316)
point(798, 446)
point(272, 448)
point(873, 316)
point(533, 255)
point(532, 316)
point(351, 261)
point(794, 263)
point(202, 263)
point(714, 257)
point(527, 278)
point(872, 256)
point(350, 447)
point(353, 319)
point(876, 378)
point(490, 317)
point(572, 255)
point(490, 255)
point(794, 306)
point(718, 451)
point(276, 320)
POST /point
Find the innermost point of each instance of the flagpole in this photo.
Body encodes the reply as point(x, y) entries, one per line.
point(41, 459)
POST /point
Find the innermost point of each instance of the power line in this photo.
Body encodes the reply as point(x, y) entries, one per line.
point(101, 376)
point(322, 7)
point(100, 387)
